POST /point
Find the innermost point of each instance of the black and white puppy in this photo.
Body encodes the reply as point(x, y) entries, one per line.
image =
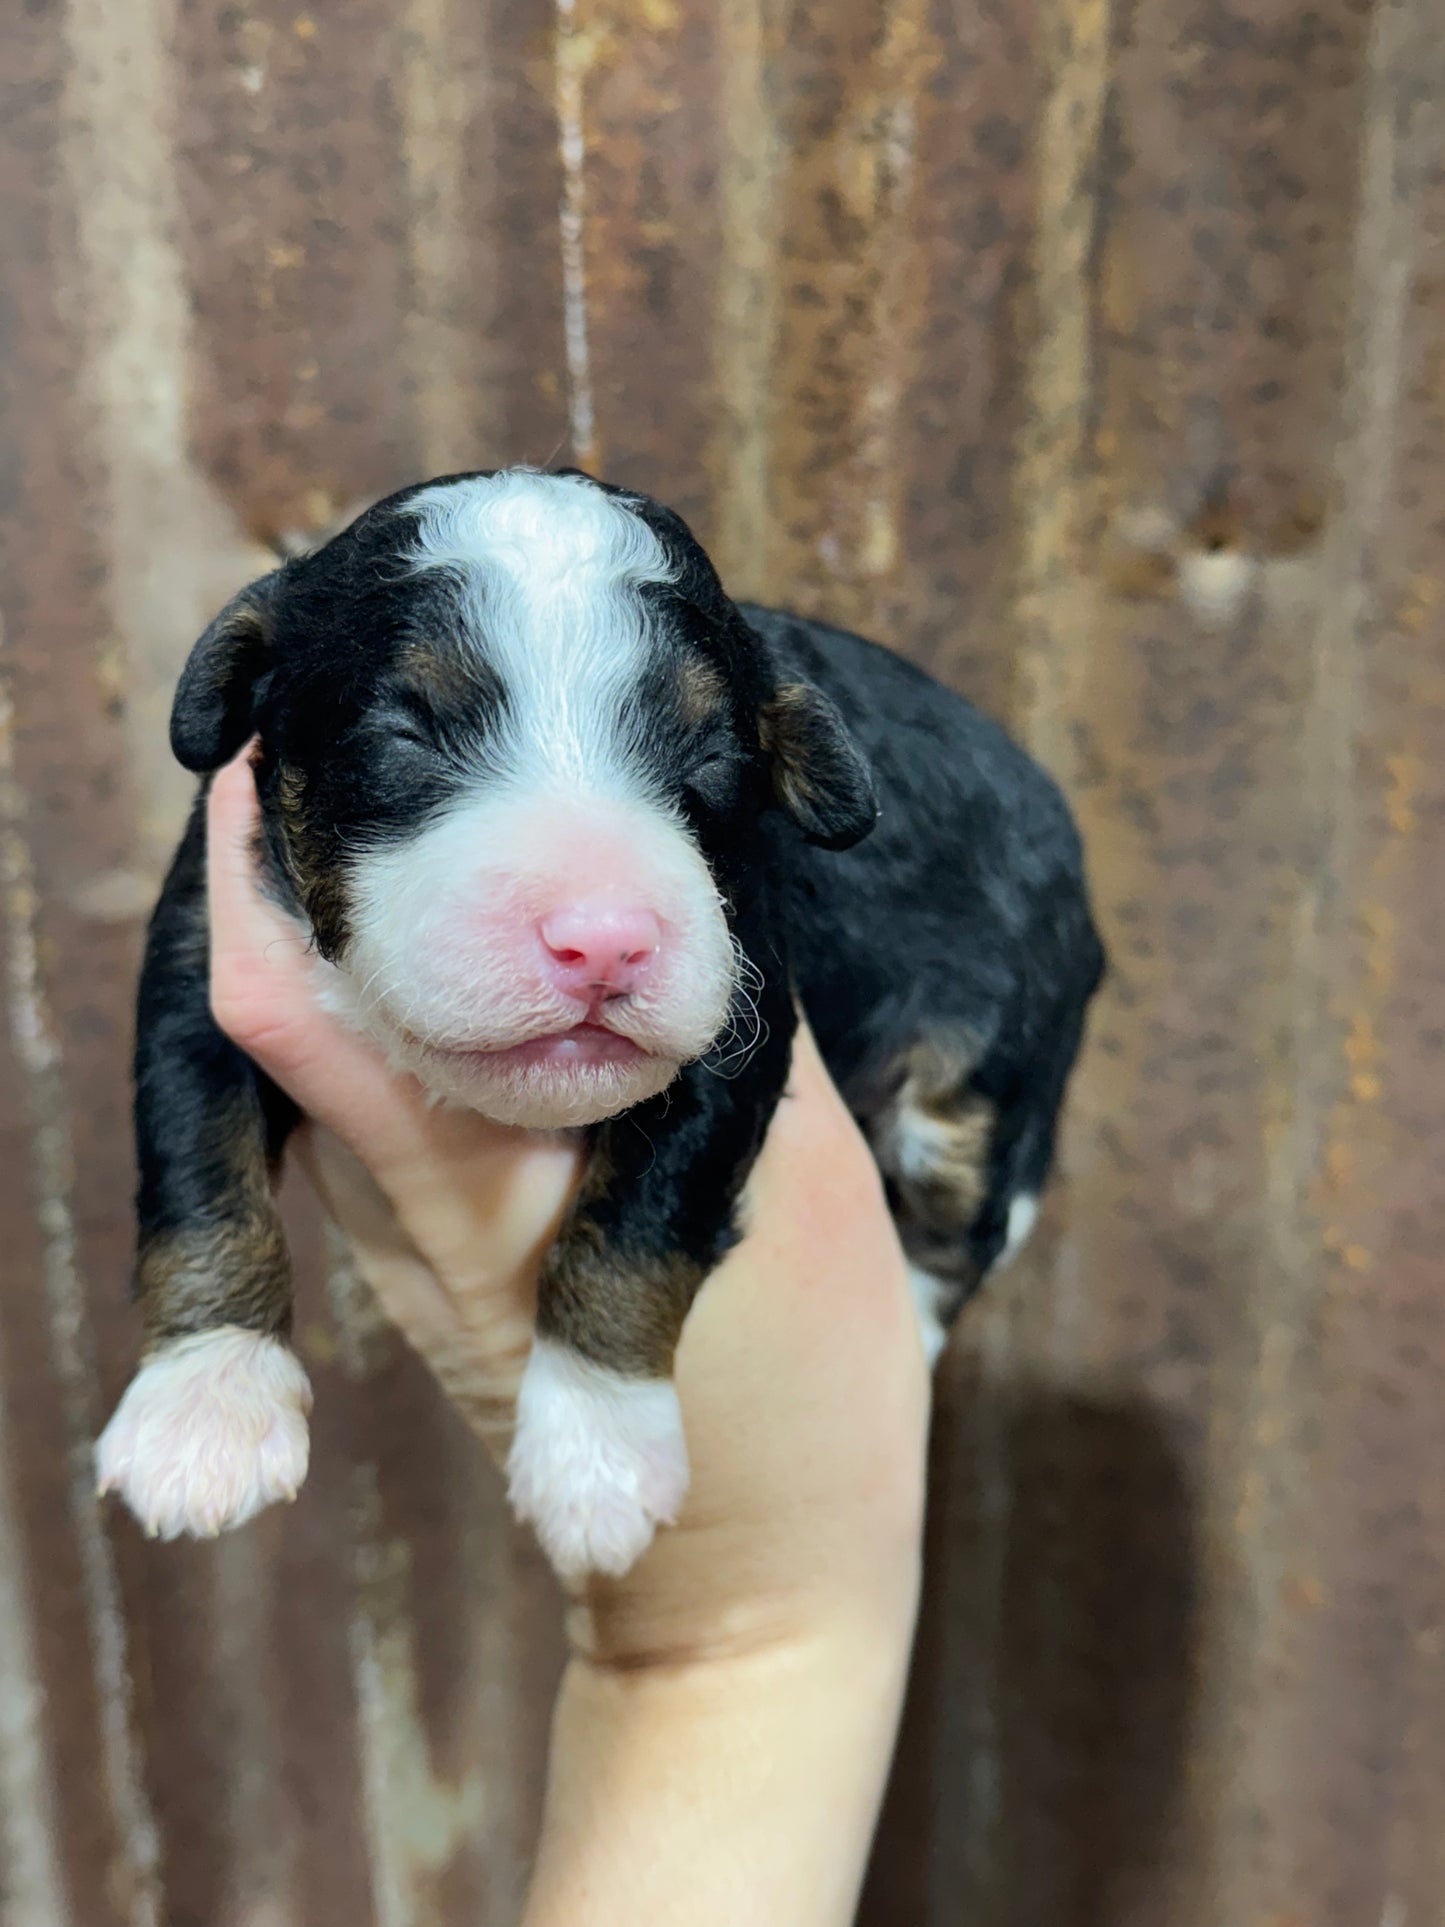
point(570, 831)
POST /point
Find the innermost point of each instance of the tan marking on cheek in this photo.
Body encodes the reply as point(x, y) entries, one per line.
point(311, 866)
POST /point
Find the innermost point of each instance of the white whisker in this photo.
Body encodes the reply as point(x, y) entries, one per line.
point(744, 1030)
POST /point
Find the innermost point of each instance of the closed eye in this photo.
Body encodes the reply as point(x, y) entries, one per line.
point(714, 781)
point(409, 719)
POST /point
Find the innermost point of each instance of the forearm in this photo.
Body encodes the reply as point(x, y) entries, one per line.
point(737, 1790)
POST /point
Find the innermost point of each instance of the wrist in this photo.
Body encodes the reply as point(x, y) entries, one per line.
point(724, 1785)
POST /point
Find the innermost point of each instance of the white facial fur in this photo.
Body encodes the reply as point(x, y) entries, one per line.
point(548, 568)
point(442, 967)
point(440, 973)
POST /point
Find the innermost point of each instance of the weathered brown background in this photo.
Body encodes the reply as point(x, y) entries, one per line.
point(1093, 352)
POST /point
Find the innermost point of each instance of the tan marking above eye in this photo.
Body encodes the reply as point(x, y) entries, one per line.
point(701, 691)
point(439, 677)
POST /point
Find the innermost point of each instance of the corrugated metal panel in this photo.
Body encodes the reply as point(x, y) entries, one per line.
point(1091, 353)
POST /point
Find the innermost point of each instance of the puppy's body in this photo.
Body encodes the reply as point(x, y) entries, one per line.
point(945, 963)
point(570, 831)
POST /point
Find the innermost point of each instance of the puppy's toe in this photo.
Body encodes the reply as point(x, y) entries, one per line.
point(211, 1430)
point(598, 1462)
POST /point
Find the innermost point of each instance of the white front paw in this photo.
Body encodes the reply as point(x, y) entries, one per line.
point(598, 1462)
point(211, 1430)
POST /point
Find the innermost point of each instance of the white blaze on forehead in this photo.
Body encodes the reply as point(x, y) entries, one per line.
point(549, 569)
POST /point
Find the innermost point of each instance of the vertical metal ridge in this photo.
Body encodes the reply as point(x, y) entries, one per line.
point(1053, 479)
point(745, 320)
point(261, 1841)
point(416, 1821)
point(38, 1052)
point(572, 54)
point(32, 1881)
point(1305, 1403)
point(173, 551)
point(847, 303)
point(892, 314)
point(441, 359)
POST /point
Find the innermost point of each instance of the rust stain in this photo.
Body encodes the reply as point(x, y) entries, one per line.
point(1416, 609)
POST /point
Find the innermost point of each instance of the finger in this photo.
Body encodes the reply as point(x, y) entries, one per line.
point(412, 1293)
point(474, 1336)
point(260, 988)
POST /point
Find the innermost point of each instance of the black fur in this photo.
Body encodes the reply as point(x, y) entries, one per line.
point(210, 1130)
point(964, 914)
point(960, 920)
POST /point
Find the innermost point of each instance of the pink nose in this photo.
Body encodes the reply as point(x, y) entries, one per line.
point(600, 946)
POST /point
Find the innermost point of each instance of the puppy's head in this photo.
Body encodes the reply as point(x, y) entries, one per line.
point(518, 750)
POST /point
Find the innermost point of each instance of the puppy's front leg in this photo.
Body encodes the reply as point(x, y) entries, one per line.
point(213, 1425)
point(599, 1459)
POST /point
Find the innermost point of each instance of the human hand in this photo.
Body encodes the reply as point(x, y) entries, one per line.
point(801, 1376)
point(800, 1372)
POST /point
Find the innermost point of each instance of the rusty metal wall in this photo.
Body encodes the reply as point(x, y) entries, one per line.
point(1093, 352)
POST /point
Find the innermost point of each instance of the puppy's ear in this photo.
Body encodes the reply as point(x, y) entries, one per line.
point(212, 714)
point(820, 777)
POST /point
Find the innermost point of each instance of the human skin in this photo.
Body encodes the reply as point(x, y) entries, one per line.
point(726, 1717)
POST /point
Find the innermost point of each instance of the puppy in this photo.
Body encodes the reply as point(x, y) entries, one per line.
point(570, 832)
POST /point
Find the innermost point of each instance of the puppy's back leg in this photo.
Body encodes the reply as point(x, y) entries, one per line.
point(964, 1175)
point(213, 1426)
point(935, 1138)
